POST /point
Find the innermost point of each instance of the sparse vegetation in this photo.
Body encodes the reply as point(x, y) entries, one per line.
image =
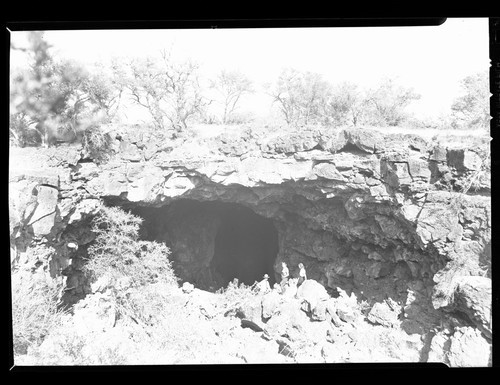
point(97, 144)
point(472, 108)
point(35, 312)
point(117, 251)
point(231, 86)
point(235, 294)
point(169, 90)
point(301, 97)
point(388, 102)
point(61, 101)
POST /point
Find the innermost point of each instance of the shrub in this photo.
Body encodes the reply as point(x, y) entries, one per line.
point(35, 310)
point(235, 294)
point(97, 144)
point(117, 251)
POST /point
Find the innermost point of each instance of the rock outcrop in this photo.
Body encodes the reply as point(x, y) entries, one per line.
point(379, 215)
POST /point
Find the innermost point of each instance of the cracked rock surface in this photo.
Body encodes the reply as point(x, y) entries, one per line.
point(384, 216)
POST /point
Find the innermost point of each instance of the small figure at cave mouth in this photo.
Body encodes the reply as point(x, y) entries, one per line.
point(285, 273)
point(263, 286)
point(302, 274)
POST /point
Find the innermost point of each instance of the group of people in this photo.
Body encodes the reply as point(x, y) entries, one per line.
point(286, 280)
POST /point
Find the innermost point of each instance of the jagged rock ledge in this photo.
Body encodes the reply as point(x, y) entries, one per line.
point(382, 215)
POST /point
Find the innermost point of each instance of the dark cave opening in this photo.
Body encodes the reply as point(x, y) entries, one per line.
point(213, 242)
point(246, 246)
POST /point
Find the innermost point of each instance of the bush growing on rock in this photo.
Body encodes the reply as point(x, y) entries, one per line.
point(96, 144)
point(117, 251)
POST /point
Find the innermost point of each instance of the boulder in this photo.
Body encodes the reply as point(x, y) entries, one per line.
point(366, 140)
point(347, 314)
point(270, 303)
point(473, 296)
point(288, 316)
point(251, 309)
point(43, 217)
point(187, 287)
point(440, 344)
point(331, 309)
point(319, 312)
point(346, 307)
point(328, 171)
point(33, 200)
point(382, 314)
point(312, 292)
point(469, 349)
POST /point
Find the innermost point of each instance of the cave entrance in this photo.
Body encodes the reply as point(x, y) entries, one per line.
point(213, 242)
point(246, 246)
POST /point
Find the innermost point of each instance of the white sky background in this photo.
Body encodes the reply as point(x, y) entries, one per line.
point(418, 57)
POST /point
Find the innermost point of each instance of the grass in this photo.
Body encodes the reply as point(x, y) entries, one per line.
point(35, 312)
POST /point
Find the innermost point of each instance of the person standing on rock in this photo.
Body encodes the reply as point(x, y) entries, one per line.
point(263, 286)
point(302, 274)
point(285, 273)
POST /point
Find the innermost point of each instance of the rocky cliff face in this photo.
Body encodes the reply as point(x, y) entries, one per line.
point(381, 215)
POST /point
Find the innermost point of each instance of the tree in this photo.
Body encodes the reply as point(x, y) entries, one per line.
point(169, 90)
point(472, 109)
point(346, 105)
point(301, 96)
point(231, 85)
point(388, 102)
point(52, 99)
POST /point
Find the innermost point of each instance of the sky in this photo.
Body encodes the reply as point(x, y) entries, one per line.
point(417, 57)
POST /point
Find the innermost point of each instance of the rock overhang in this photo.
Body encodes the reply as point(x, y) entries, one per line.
point(393, 194)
